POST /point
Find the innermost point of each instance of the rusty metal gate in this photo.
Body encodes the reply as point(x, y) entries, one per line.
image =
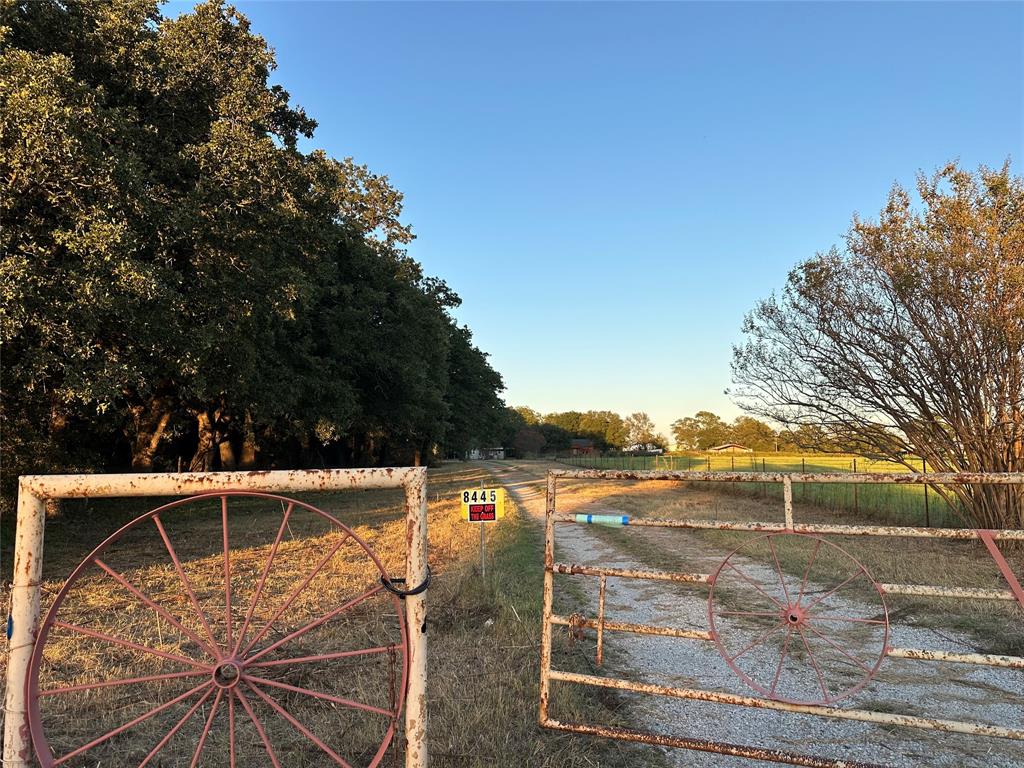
point(238, 661)
point(789, 616)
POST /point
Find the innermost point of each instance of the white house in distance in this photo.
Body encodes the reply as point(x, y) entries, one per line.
point(476, 454)
point(730, 448)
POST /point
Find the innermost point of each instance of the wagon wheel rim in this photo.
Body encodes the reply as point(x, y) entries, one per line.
point(236, 671)
point(792, 616)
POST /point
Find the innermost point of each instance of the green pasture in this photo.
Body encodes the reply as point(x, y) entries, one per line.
point(884, 504)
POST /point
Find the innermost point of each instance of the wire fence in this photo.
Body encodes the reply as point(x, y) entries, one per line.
point(890, 504)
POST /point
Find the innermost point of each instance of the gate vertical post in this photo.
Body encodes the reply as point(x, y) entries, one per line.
point(416, 755)
point(28, 572)
point(787, 500)
point(545, 632)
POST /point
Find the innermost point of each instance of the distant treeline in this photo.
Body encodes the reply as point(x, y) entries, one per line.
point(182, 286)
point(528, 432)
point(705, 430)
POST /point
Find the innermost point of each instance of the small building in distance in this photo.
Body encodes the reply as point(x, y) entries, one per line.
point(476, 454)
point(730, 448)
point(581, 446)
point(643, 449)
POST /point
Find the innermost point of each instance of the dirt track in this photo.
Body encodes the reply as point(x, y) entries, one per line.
point(948, 691)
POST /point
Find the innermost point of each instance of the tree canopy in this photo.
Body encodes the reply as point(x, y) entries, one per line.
point(705, 430)
point(179, 280)
point(910, 339)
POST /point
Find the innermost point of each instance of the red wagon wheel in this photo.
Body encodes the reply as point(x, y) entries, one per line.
point(808, 639)
point(183, 640)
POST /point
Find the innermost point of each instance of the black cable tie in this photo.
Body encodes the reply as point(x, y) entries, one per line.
point(389, 585)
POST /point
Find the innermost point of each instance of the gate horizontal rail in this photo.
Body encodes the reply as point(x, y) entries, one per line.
point(789, 526)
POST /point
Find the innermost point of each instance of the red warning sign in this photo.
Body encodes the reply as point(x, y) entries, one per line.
point(482, 513)
point(483, 505)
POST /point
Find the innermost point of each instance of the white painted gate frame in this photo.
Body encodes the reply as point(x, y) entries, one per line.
point(35, 490)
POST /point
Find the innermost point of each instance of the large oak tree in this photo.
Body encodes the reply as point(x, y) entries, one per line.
point(180, 281)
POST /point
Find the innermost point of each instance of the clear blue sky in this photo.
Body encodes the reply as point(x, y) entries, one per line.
point(610, 187)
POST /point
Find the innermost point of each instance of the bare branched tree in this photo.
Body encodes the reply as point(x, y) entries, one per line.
point(910, 341)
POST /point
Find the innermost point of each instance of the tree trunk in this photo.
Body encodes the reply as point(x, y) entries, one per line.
point(248, 457)
point(227, 453)
point(202, 460)
point(149, 425)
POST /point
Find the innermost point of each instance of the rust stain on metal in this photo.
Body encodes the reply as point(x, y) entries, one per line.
point(859, 478)
point(991, 660)
point(635, 629)
point(717, 747)
point(861, 715)
point(959, 593)
point(1010, 534)
point(630, 573)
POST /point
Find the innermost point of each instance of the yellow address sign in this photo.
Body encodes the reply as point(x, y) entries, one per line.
point(483, 505)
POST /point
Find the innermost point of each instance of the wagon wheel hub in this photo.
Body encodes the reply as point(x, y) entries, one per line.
point(793, 616)
point(226, 674)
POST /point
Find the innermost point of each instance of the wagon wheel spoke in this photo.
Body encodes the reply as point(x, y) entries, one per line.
point(129, 644)
point(326, 656)
point(122, 681)
point(782, 659)
point(778, 570)
point(294, 594)
point(319, 695)
point(227, 571)
point(832, 617)
point(159, 610)
point(300, 727)
point(760, 639)
point(131, 723)
point(206, 729)
point(817, 669)
point(263, 578)
point(185, 583)
point(176, 727)
point(754, 584)
point(259, 729)
point(832, 591)
point(807, 571)
point(829, 640)
point(231, 730)
point(322, 620)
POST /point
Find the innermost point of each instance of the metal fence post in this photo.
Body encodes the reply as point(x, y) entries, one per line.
point(416, 755)
point(545, 633)
point(927, 516)
point(856, 498)
point(787, 500)
point(28, 572)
